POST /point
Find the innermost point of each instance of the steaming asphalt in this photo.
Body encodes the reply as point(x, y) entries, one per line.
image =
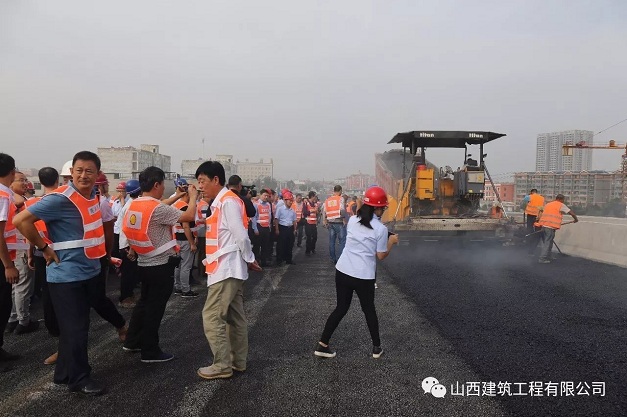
point(459, 315)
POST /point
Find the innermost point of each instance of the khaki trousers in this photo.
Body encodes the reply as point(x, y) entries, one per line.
point(225, 324)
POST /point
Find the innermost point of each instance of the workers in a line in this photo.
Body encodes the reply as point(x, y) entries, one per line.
point(368, 240)
point(550, 219)
point(285, 228)
point(532, 204)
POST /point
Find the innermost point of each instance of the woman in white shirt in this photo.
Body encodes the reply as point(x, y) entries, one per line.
point(367, 239)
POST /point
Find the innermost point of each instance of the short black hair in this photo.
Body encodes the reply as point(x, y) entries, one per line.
point(234, 180)
point(48, 176)
point(312, 194)
point(87, 156)
point(533, 190)
point(149, 177)
point(7, 164)
point(337, 189)
point(212, 169)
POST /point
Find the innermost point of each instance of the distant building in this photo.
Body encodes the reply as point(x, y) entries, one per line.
point(358, 182)
point(227, 163)
point(549, 155)
point(505, 190)
point(581, 188)
point(128, 162)
point(189, 167)
point(253, 171)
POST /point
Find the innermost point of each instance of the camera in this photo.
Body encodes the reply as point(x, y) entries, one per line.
point(248, 188)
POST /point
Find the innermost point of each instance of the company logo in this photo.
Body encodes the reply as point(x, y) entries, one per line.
point(426, 135)
point(475, 136)
point(133, 219)
point(433, 386)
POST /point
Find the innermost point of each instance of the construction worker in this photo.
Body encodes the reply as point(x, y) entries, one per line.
point(297, 206)
point(148, 226)
point(66, 174)
point(532, 204)
point(186, 243)
point(311, 212)
point(285, 229)
point(496, 212)
point(334, 219)
point(550, 219)
point(229, 256)
point(72, 217)
point(261, 225)
point(128, 268)
point(368, 240)
point(9, 274)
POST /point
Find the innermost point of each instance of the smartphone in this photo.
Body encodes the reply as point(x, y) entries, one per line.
point(391, 234)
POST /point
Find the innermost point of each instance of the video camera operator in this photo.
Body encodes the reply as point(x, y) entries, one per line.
point(235, 184)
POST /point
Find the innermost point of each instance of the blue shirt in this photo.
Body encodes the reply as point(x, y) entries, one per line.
point(64, 222)
point(285, 216)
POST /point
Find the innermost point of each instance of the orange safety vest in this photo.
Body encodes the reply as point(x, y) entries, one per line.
point(263, 213)
point(349, 207)
point(495, 213)
point(536, 202)
point(332, 207)
point(10, 232)
point(552, 216)
point(135, 227)
point(298, 209)
point(312, 218)
point(179, 204)
point(93, 241)
point(212, 248)
point(39, 224)
point(201, 216)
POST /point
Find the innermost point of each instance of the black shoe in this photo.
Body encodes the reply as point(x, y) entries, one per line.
point(279, 263)
point(324, 352)
point(307, 253)
point(11, 326)
point(6, 356)
point(290, 262)
point(178, 292)
point(131, 349)
point(313, 251)
point(30, 327)
point(162, 357)
point(298, 245)
point(189, 294)
point(377, 351)
point(91, 389)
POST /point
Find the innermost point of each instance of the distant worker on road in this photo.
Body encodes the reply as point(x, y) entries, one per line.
point(368, 240)
point(335, 221)
point(550, 219)
point(311, 211)
point(532, 204)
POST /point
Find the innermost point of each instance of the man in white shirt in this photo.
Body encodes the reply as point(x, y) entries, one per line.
point(229, 256)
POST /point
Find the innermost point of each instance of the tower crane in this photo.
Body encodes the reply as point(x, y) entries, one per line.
point(567, 150)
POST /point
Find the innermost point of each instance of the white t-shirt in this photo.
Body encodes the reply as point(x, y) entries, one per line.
point(359, 257)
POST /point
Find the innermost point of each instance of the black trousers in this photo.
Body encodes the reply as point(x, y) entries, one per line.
point(157, 284)
point(300, 232)
point(50, 317)
point(311, 230)
point(128, 275)
point(285, 244)
point(533, 240)
point(344, 287)
point(103, 304)
point(6, 302)
point(265, 245)
point(72, 302)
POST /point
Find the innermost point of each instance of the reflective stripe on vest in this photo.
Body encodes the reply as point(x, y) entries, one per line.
point(263, 212)
point(551, 216)
point(212, 247)
point(201, 216)
point(179, 204)
point(332, 207)
point(39, 224)
point(93, 241)
point(135, 227)
point(536, 201)
point(312, 218)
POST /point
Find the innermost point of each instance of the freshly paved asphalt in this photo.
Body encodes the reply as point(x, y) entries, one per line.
point(459, 315)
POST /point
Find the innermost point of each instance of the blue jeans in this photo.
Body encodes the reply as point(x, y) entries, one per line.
point(336, 230)
point(548, 235)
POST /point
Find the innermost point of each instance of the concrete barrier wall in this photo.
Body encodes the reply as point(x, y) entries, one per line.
point(602, 239)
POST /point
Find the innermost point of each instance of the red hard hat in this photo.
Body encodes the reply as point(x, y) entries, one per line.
point(376, 197)
point(30, 186)
point(121, 185)
point(102, 179)
point(288, 195)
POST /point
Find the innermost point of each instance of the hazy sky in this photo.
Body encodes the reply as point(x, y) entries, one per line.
point(318, 86)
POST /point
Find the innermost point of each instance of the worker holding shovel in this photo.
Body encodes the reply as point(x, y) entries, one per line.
point(550, 219)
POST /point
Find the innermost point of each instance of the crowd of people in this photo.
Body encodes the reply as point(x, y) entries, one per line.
point(63, 244)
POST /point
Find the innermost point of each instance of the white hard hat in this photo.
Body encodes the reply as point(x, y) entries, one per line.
point(65, 171)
